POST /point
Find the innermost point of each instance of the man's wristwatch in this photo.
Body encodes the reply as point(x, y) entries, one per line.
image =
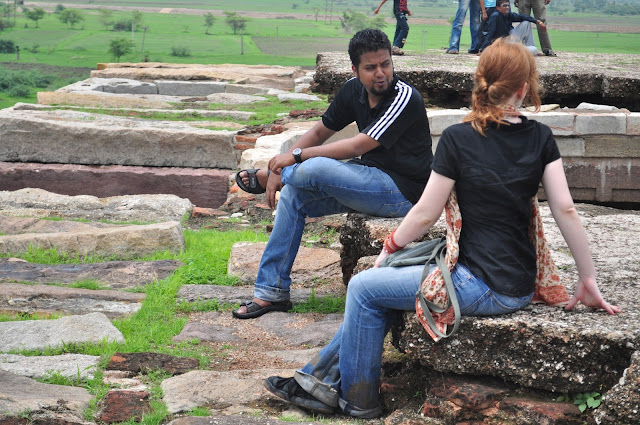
point(297, 155)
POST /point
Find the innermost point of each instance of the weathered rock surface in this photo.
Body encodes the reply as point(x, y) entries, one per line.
point(280, 77)
point(124, 405)
point(237, 420)
point(112, 274)
point(301, 330)
point(230, 294)
point(311, 264)
point(19, 394)
point(61, 136)
point(139, 208)
point(220, 390)
point(73, 366)
point(447, 80)
point(200, 186)
point(105, 100)
point(144, 362)
point(546, 347)
point(123, 242)
point(53, 299)
point(39, 334)
point(621, 405)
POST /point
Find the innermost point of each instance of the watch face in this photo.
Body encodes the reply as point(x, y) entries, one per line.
point(297, 151)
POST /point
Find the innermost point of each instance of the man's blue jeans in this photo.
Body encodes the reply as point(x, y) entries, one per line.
point(456, 28)
point(346, 373)
point(402, 30)
point(315, 188)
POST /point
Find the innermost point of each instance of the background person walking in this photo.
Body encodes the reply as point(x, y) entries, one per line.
point(400, 10)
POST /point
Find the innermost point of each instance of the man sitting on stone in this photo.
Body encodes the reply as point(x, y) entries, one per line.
point(389, 170)
point(500, 24)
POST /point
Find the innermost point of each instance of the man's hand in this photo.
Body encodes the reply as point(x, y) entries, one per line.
point(278, 162)
point(484, 15)
point(409, 12)
point(375, 12)
point(541, 25)
point(547, 1)
point(274, 184)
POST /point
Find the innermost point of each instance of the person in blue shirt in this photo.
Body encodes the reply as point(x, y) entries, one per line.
point(500, 24)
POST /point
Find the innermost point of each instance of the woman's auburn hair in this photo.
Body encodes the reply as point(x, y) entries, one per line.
point(502, 70)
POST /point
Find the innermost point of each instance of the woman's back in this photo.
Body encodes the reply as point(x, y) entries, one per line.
point(496, 176)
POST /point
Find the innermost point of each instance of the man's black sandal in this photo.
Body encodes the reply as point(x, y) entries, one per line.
point(254, 185)
point(256, 310)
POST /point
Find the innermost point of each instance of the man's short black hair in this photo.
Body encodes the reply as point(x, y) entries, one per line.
point(365, 41)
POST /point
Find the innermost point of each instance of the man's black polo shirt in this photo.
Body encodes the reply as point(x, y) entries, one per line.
point(398, 122)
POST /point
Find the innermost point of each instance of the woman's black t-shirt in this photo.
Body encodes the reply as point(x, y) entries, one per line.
point(496, 177)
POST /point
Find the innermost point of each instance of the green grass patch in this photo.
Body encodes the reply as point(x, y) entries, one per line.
point(15, 317)
point(325, 305)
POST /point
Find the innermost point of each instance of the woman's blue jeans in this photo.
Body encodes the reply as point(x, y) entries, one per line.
point(315, 188)
point(458, 21)
point(346, 373)
point(402, 30)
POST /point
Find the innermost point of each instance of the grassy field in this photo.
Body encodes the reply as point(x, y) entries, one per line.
point(277, 36)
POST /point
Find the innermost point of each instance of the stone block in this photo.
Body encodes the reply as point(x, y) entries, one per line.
point(39, 334)
point(441, 119)
point(633, 124)
point(302, 88)
point(121, 242)
point(570, 146)
point(614, 181)
point(120, 86)
point(201, 186)
point(246, 89)
point(298, 96)
point(144, 362)
point(604, 123)
point(54, 300)
point(189, 88)
point(99, 100)
point(71, 137)
point(561, 123)
point(124, 405)
point(621, 405)
point(611, 146)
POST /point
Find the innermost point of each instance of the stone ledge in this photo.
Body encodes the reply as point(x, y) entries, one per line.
point(540, 347)
point(447, 80)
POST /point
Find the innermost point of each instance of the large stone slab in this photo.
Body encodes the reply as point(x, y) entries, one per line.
point(98, 99)
point(73, 366)
point(111, 274)
point(189, 88)
point(121, 242)
point(621, 405)
point(310, 265)
point(39, 334)
point(280, 77)
point(545, 347)
point(72, 137)
point(54, 299)
point(139, 208)
point(203, 187)
point(447, 80)
point(19, 395)
point(220, 389)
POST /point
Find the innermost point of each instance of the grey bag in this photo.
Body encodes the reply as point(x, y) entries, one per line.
point(429, 252)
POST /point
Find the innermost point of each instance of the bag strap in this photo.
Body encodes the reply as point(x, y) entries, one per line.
point(427, 306)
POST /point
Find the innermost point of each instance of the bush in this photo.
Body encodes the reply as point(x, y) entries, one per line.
point(7, 46)
point(19, 91)
point(180, 51)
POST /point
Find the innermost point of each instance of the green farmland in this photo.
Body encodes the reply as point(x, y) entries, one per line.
point(276, 32)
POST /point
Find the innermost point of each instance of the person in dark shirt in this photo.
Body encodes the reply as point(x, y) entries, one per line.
point(392, 158)
point(495, 160)
point(500, 24)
